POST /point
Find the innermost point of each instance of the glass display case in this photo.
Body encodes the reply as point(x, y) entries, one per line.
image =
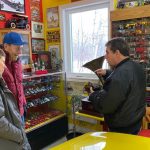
point(46, 120)
point(46, 99)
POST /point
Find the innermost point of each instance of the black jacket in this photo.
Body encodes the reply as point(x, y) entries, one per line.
point(122, 100)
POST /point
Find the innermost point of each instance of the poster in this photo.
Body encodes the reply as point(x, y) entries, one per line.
point(35, 10)
point(52, 17)
point(37, 29)
point(53, 36)
point(54, 50)
point(15, 6)
point(38, 45)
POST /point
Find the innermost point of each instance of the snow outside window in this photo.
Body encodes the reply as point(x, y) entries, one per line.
point(84, 34)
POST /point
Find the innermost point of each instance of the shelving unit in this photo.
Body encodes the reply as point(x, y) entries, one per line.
point(44, 123)
point(46, 108)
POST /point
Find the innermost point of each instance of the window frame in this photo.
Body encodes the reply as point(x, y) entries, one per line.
point(65, 35)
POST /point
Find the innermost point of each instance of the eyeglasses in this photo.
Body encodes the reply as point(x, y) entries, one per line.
point(16, 47)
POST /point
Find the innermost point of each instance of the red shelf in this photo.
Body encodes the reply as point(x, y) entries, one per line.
point(40, 121)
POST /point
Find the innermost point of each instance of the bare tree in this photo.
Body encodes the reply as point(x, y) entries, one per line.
point(87, 46)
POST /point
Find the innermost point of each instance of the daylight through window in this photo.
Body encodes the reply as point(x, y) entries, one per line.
point(85, 37)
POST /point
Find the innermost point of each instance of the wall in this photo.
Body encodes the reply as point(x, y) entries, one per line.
point(48, 4)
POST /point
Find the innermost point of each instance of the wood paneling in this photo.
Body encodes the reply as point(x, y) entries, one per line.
point(130, 13)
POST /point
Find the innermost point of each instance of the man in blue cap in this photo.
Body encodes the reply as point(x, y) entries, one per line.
point(12, 44)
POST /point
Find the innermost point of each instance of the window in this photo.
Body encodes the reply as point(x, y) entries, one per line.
point(84, 34)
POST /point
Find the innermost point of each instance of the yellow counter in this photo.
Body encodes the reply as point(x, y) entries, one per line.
point(105, 141)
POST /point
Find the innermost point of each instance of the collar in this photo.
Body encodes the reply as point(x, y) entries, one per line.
point(2, 82)
point(122, 62)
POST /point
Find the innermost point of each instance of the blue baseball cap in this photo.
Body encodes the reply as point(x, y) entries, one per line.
point(13, 38)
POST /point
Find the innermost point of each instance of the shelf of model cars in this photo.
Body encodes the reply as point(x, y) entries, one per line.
point(39, 85)
point(37, 91)
point(39, 119)
point(42, 100)
point(130, 13)
point(37, 82)
point(42, 75)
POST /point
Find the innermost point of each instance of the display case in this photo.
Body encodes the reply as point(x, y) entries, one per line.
point(46, 107)
point(26, 54)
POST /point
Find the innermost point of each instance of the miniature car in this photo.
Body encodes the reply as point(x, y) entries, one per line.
point(18, 21)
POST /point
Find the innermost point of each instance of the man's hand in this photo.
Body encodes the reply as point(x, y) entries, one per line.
point(147, 116)
point(100, 72)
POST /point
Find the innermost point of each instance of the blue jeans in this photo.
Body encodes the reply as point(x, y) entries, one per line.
point(23, 120)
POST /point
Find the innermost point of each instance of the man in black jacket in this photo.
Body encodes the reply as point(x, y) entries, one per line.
point(122, 99)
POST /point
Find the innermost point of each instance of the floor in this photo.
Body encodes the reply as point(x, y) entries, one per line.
point(55, 143)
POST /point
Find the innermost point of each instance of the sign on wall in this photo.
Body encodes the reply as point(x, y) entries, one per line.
point(35, 10)
point(37, 29)
point(52, 17)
